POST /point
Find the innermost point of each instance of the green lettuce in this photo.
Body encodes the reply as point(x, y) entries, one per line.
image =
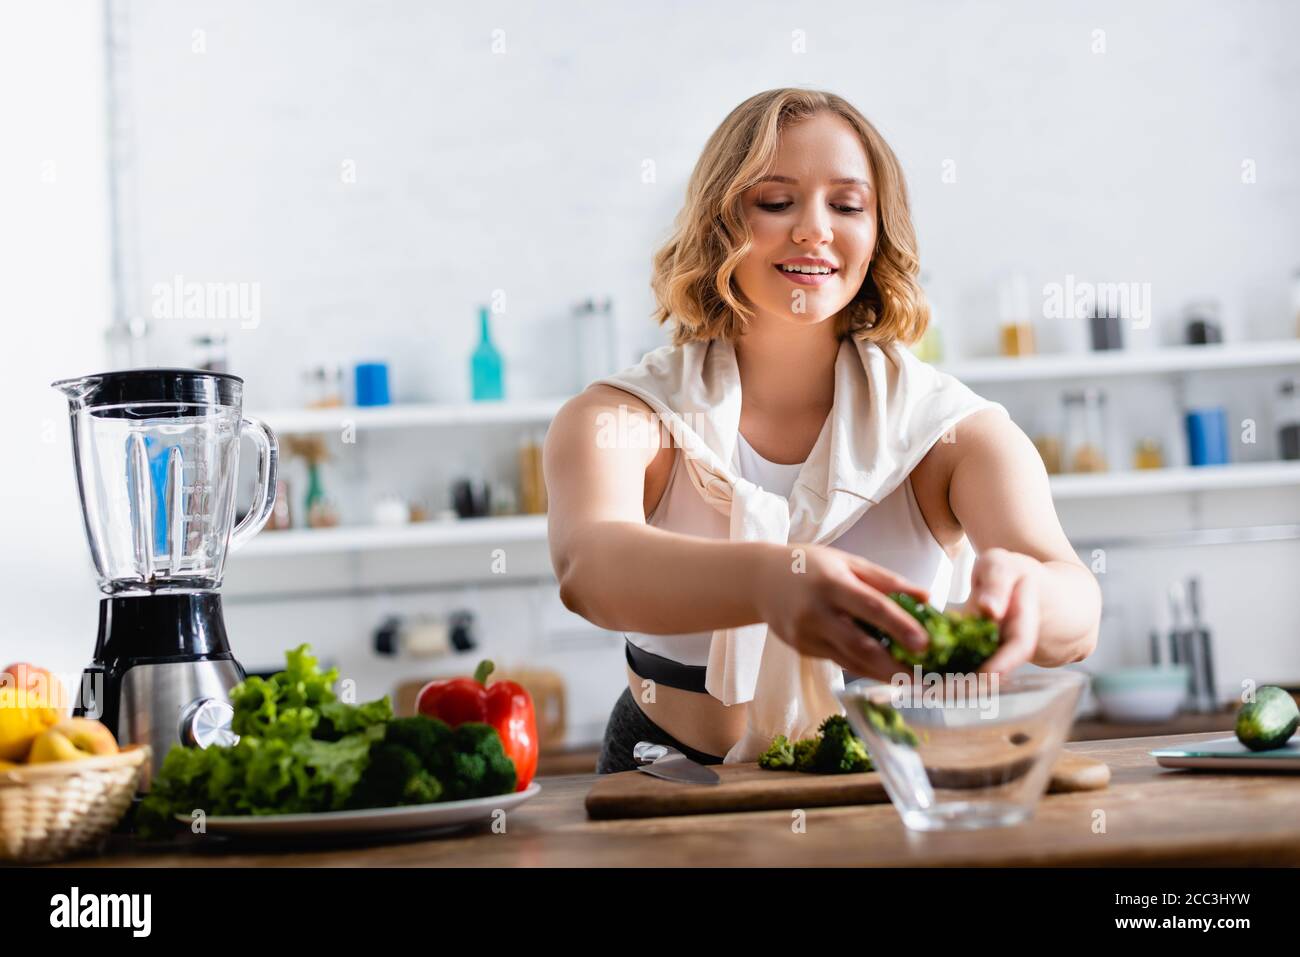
point(300, 750)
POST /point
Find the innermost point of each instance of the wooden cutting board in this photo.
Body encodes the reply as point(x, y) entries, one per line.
point(747, 787)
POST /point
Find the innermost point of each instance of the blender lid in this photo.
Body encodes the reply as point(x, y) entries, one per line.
point(196, 386)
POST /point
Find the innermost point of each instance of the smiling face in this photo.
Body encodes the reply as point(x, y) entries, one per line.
point(813, 223)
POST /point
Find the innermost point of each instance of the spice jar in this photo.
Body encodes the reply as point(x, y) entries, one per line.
point(1085, 441)
point(1148, 455)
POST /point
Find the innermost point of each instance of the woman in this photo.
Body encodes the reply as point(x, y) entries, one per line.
point(796, 247)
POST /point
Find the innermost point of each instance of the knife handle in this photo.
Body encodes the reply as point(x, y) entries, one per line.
point(647, 753)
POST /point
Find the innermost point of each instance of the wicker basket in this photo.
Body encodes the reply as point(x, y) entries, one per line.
point(51, 811)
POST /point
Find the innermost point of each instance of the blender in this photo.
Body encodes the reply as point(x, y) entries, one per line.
point(157, 460)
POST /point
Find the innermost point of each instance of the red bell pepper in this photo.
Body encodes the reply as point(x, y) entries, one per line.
point(505, 705)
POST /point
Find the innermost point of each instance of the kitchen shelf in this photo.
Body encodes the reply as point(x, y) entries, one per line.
point(472, 531)
point(1171, 360)
point(1085, 365)
point(411, 415)
point(1156, 481)
point(532, 528)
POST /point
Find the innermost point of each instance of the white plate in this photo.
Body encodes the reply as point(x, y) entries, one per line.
point(445, 815)
point(1229, 754)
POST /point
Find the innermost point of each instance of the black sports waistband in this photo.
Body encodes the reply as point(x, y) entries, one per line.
point(674, 674)
point(665, 671)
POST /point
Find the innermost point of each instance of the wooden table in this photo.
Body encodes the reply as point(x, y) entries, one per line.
point(1151, 816)
point(578, 760)
point(1096, 729)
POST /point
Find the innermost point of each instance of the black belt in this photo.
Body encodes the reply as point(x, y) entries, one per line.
point(674, 674)
point(665, 671)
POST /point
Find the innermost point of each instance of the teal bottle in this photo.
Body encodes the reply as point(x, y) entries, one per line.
point(485, 365)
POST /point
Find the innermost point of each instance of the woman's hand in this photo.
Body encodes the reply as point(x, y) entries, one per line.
point(1006, 586)
point(810, 594)
point(1028, 575)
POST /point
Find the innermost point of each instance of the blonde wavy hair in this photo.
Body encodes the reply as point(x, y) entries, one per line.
point(693, 277)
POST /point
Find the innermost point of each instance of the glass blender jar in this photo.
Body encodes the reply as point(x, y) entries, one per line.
point(157, 461)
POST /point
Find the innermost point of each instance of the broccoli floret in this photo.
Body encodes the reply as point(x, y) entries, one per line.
point(404, 766)
point(835, 750)
point(778, 757)
point(959, 643)
point(480, 764)
point(430, 739)
point(422, 759)
point(394, 776)
point(839, 750)
point(805, 754)
point(977, 639)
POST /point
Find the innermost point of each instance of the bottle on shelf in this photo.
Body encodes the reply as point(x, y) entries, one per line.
point(1016, 329)
point(321, 512)
point(532, 485)
point(929, 348)
point(210, 352)
point(1286, 414)
point(318, 511)
point(595, 339)
point(486, 372)
point(282, 512)
point(1106, 327)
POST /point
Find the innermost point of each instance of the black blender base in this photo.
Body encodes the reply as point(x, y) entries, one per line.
point(153, 655)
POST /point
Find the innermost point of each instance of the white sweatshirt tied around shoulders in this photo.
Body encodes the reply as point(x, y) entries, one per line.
point(889, 409)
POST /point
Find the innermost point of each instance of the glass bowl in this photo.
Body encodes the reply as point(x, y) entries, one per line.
point(960, 752)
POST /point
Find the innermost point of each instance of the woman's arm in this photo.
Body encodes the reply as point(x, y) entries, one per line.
point(614, 570)
point(1027, 574)
point(621, 574)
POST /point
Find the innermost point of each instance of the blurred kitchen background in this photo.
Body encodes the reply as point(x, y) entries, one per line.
point(414, 229)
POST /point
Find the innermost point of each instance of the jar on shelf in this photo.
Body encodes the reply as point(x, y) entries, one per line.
point(1049, 449)
point(1047, 439)
point(1148, 454)
point(1085, 433)
point(210, 353)
point(323, 387)
point(503, 498)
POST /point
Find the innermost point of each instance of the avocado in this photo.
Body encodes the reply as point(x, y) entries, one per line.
point(1269, 721)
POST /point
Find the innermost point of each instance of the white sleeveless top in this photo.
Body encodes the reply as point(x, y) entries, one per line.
point(892, 534)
